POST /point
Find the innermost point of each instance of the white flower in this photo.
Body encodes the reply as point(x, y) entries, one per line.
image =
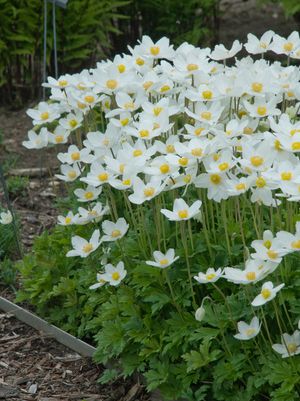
point(290, 345)
point(248, 331)
point(181, 211)
point(100, 281)
point(6, 217)
point(221, 53)
point(89, 194)
point(258, 46)
point(82, 247)
point(67, 220)
point(114, 274)
point(36, 141)
point(75, 155)
point(44, 113)
point(268, 292)
point(163, 260)
point(68, 173)
point(210, 276)
point(114, 231)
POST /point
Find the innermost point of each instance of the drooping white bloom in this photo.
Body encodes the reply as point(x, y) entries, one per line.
point(163, 260)
point(210, 276)
point(82, 247)
point(114, 231)
point(6, 217)
point(181, 211)
point(248, 331)
point(267, 293)
point(290, 345)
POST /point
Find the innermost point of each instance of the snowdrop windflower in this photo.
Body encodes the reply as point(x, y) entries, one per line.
point(67, 220)
point(268, 292)
point(259, 46)
point(247, 331)
point(100, 282)
point(89, 194)
point(114, 274)
point(221, 53)
point(6, 218)
point(82, 247)
point(210, 276)
point(290, 345)
point(163, 260)
point(44, 113)
point(114, 231)
point(200, 313)
point(181, 211)
point(36, 141)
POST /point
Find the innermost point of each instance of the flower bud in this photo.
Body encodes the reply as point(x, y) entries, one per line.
point(200, 313)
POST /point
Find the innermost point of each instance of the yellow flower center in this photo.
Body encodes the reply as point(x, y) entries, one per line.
point(164, 262)
point(111, 84)
point(139, 61)
point(144, 133)
point(296, 244)
point(215, 179)
point(73, 123)
point(62, 83)
point(103, 177)
point(126, 182)
point(294, 131)
point(147, 85)
point(72, 174)
point(115, 233)
point(107, 104)
point(260, 182)
point(183, 214)
point(183, 161)
point(45, 115)
point(187, 178)
point(262, 110)
point(267, 244)
point(210, 276)
point(250, 331)
point(154, 50)
point(59, 139)
point(165, 88)
point(88, 195)
point(256, 161)
point(196, 152)
point(129, 105)
point(81, 105)
point(164, 168)
point(124, 121)
point(206, 115)
point(192, 67)
point(296, 146)
point(223, 166)
point(241, 186)
point(157, 110)
point(68, 220)
point(80, 86)
point(121, 168)
point(286, 176)
point(290, 94)
point(207, 94)
point(115, 276)
point(87, 248)
point(149, 191)
point(292, 347)
point(121, 68)
point(288, 46)
point(137, 152)
point(248, 130)
point(257, 87)
point(198, 131)
point(251, 276)
point(272, 254)
point(265, 293)
point(75, 156)
point(89, 98)
point(263, 45)
point(277, 145)
point(170, 148)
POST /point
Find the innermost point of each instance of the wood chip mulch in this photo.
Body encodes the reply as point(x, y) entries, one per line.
point(34, 367)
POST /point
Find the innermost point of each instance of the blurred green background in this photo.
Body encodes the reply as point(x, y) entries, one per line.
point(88, 30)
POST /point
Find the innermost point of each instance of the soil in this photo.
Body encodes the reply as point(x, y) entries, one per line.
point(34, 367)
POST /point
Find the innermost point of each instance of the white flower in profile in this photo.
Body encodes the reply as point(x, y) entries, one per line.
point(248, 331)
point(181, 210)
point(163, 260)
point(95, 213)
point(67, 220)
point(259, 46)
point(210, 276)
point(82, 247)
point(267, 293)
point(89, 194)
point(290, 345)
point(36, 141)
point(114, 231)
point(100, 282)
point(114, 274)
point(221, 53)
point(281, 45)
point(6, 217)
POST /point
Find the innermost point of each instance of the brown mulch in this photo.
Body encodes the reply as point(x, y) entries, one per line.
point(34, 367)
